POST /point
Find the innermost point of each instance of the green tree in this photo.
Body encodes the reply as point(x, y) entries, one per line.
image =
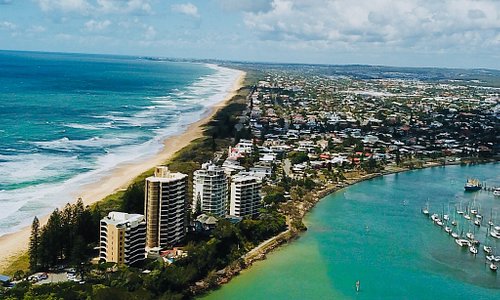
point(34, 245)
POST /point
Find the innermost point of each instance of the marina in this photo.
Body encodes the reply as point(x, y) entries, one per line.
point(462, 221)
point(376, 229)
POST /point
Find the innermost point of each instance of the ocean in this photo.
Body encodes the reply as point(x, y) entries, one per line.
point(69, 119)
point(375, 232)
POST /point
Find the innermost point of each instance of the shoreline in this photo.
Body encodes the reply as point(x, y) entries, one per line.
point(260, 252)
point(16, 243)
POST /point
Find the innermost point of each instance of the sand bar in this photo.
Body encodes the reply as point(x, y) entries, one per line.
point(14, 244)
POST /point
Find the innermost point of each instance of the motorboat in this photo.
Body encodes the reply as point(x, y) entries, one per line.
point(477, 222)
point(454, 235)
point(473, 250)
point(469, 235)
point(487, 249)
point(447, 229)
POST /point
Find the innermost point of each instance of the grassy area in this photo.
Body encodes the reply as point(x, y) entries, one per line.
point(20, 263)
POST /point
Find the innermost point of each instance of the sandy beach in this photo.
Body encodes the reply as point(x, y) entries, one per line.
point(14, 244)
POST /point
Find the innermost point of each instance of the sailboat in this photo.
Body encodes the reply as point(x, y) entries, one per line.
point(446, 217)
point(466, 214)
point(459, 210)
point(490, 222)
point(493, 267)
point(486, 248)
point(425, 210)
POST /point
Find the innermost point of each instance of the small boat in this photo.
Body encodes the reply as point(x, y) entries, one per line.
point(425, 211)
point(496, 192)
point(466, 216)
point(447, 229)
point(479, 217)
point(493, 267)
point(473, 211)
point(490, 222)
point(490, 257)
point(497, 228)
point(472, 185)
point(463, 242)
point(469, 235)
point(454, 223)
point(473, 250)
point(434, 217)
point(454, 235)
point(439, 222)
point(497, 258)
point(495, 234)
point(487, 249)
point(477, 222)
point(446, 217)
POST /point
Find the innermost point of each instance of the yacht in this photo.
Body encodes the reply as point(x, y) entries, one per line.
point(454, 235)
point(473, 250)
point(487, 249)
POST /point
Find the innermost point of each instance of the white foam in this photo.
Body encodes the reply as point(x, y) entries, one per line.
point(166, 116)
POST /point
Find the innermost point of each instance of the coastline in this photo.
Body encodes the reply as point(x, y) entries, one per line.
point(260, 252)
point(16, 243)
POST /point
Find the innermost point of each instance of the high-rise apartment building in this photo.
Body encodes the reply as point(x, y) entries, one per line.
point(245, 196)
point(165, 208)
point(122, 238)
point(210, 190)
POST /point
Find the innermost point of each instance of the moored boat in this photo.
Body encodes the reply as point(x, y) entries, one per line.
point(493, 267)
point(472, 185)
point(463, 242)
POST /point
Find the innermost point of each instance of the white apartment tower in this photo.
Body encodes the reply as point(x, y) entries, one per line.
point(165, 208)
point(122, 238)
point(210, 190)
point(245, 196)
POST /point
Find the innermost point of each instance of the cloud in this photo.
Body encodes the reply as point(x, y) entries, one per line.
point(187, 9)
point(5, 2)
point(124, 6)
point(86, 7)
point(5, 25)
point(405, 24)
point(150, 33)
point(246, 5)
point(93, 25)
point(37, 29)
point(81, 6)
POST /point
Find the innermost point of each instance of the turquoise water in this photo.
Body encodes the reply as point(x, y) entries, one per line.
point(69, 119)
point(374, 232)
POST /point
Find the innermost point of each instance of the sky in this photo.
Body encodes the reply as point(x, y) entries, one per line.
point(442, 33)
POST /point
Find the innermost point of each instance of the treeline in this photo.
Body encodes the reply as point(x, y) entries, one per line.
point(206, 254)
point(67, 238)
